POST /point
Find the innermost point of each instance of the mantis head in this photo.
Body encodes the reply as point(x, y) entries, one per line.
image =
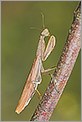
point(45, 32)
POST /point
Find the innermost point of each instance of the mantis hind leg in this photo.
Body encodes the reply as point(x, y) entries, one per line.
point(40, 96)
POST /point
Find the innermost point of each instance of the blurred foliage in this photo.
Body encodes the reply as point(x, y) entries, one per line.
point(19, 44)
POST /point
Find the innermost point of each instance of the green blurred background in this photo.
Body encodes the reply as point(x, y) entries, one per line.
point(19, 44)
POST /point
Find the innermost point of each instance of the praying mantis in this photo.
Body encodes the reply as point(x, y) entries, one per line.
point(34, 78)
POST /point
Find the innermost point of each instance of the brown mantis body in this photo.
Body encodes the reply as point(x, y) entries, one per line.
point(34, 78)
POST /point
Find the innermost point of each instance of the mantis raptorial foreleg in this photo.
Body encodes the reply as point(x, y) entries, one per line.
point(49, 48)
point(47, 51)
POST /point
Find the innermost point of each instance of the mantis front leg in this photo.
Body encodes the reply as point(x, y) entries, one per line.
point(49, 48)
point(47, 51)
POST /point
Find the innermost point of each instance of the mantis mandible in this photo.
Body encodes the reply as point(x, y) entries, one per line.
point(34, 78)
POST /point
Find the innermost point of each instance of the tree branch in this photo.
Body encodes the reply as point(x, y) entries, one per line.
point(62, 73)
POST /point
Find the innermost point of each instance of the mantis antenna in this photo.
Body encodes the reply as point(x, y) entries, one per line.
point(35, 28)
point(43, 23)
point(43, 20)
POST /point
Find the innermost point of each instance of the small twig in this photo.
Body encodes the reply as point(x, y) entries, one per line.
point(62, 73)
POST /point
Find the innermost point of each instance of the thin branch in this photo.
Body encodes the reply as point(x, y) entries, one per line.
point(62, 73)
